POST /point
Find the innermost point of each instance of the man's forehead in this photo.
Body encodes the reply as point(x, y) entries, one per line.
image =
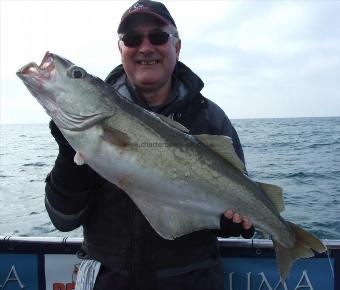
point(136, 22)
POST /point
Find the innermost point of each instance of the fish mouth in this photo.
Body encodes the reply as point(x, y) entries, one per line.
point(32, 72)
point(37, 78)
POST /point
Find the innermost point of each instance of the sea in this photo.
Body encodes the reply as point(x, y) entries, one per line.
point(302, 155)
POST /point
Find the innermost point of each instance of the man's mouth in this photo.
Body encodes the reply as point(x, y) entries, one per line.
point(148, 62)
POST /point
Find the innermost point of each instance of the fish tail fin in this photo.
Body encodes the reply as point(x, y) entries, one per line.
point(304, 244)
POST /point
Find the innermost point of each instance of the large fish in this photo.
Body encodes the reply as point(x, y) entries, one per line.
point(180, 182)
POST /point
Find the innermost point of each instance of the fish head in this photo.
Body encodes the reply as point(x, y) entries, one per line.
point(74, 99)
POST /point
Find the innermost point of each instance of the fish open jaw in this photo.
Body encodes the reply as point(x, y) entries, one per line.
point(47, 62)
point(43, 71)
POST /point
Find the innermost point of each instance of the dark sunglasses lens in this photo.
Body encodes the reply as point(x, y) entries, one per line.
point(155, 38)
point(132, 40)
point(158, 38)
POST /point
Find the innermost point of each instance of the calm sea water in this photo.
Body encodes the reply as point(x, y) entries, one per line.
point(302, 155)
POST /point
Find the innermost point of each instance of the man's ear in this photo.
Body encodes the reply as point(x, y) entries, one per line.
point(178, 47)
point(119, 46)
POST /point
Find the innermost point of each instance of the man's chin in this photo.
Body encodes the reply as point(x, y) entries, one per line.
point(148, 85)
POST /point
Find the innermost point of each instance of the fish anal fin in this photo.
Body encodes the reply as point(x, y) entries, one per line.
point(172, 123)
point(115, 137)
point(173, 220)
point(305, 242)
point(222, 145)
point(275, 193)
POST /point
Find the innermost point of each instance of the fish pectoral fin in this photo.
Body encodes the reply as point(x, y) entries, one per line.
point(115, 137)
point(79, 159)
point(275, 193)
point(172, 123)
point(223, 145)
point(305, 242)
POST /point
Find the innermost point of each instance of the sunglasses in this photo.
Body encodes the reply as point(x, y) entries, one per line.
point(134, 39)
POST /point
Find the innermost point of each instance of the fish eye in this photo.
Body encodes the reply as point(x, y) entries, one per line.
point(77, 72)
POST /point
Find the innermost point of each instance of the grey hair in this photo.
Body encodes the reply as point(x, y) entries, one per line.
point(174, 30)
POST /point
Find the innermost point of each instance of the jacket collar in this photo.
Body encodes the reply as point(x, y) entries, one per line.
point(186, 86)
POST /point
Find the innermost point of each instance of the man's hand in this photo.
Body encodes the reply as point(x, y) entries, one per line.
point(232, 224)
point(65, 148)
point(236, 218)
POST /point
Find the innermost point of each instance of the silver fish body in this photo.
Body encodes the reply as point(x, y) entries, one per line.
point(180, 182)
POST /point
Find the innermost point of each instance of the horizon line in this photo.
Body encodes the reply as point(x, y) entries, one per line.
point(239, 118)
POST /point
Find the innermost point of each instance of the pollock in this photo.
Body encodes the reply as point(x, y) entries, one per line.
point(180, 182)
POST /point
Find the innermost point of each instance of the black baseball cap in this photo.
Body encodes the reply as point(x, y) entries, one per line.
point(154, 8)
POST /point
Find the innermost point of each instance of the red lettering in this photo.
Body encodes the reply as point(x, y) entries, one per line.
point(70, 286)
point(58, 286)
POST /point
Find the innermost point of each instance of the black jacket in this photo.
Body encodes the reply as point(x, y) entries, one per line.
point(115, 231)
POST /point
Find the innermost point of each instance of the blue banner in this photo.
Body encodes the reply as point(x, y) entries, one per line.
point(262, 274)
point(19, 271)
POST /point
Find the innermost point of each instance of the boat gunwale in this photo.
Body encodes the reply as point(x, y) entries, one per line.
point(67, 243)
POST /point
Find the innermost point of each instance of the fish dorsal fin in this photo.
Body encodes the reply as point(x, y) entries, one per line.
point(172, 123)
point(275, 194)
point(222, 145)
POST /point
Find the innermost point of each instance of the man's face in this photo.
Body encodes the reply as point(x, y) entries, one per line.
point(149, 67)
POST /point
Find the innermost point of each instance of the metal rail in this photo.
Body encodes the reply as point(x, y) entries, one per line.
point(41, 244)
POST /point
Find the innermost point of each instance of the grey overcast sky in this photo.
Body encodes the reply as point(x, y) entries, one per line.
point(257, 58)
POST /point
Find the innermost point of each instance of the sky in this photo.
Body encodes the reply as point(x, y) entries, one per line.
point(258, 59)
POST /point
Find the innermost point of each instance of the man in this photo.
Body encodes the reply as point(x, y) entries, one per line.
point(120, 249)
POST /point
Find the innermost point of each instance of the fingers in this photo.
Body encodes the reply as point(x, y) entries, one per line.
point(246, 222)
point(229, 214)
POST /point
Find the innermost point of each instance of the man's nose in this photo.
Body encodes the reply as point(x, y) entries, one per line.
point(146, 46)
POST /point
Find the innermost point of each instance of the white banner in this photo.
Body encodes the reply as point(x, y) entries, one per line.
point(61, 271)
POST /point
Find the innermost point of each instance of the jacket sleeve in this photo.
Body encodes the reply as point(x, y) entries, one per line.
point(69, 187)
point(221, 125)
